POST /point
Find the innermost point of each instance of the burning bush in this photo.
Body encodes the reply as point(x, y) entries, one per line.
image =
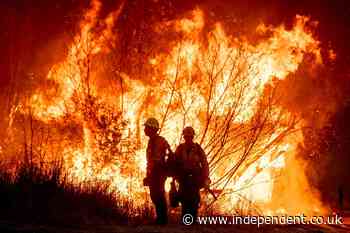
point(89, 109)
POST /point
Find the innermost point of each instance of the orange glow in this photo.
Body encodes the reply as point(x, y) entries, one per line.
point(196, 83)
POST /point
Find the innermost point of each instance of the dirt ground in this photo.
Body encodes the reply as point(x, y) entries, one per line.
point(10, 227)
point(13, 228)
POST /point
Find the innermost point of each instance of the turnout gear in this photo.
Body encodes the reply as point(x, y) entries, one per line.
point(207, 183)
point(146, 181)
point(192, 173)
point(189, 195)
point(157, 192)
point(173, 195)
point(158, 150)
point(191, 160)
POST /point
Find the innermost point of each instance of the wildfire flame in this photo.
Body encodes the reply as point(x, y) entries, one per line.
point(202, 77)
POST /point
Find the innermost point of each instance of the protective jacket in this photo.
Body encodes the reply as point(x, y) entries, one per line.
point(157, 149)
point(190, 160)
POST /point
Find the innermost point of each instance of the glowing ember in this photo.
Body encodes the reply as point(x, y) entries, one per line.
point(214, 82)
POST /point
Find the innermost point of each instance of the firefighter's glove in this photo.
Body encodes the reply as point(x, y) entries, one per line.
point(146, 181)
point(207, 183)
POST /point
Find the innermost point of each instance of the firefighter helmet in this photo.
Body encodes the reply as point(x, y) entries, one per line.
point(188, 131)
point(152, 122)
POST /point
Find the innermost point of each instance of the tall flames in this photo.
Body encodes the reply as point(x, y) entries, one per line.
point(221, 85)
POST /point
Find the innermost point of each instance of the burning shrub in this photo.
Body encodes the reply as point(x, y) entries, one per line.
point(226, 87)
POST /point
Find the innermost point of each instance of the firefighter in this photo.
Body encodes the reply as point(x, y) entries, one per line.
point(158, 150)
point(192, 172)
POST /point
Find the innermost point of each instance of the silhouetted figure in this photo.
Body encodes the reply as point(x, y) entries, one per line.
point(157, 151)
point(191, 171)
point(341, 197)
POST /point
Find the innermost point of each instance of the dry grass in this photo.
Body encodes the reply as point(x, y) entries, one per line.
point(45, 196)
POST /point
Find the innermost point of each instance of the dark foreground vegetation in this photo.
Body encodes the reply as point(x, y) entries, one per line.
point(34, 199)
point(173, 228)
point(36, 195)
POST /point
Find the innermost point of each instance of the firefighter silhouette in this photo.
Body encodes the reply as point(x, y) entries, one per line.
point(158, 150)
point(191, 170)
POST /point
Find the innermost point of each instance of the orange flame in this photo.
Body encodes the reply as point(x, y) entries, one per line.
point(196, 80)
